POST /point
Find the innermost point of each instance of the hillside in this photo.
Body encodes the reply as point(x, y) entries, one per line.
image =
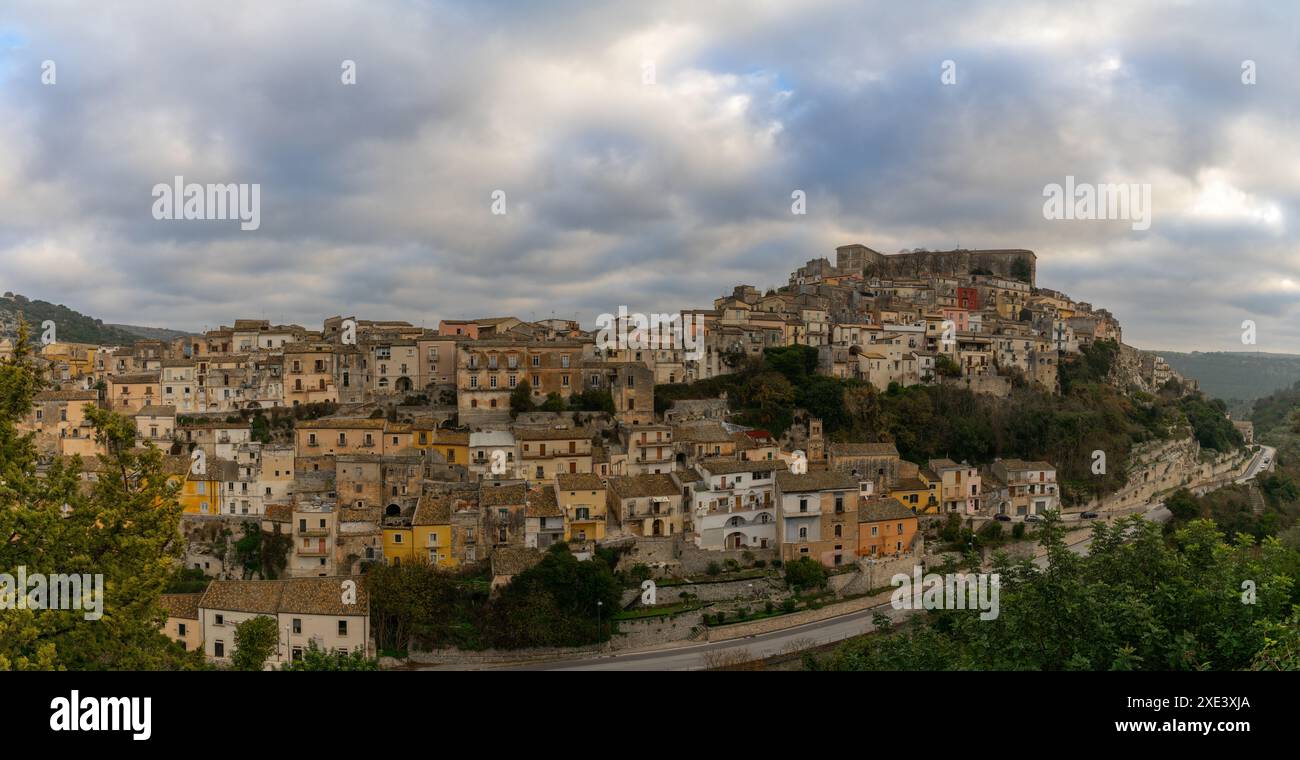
point(1237, 375)
point(72, 325)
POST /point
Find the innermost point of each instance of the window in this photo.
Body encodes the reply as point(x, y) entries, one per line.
point(220, 620)
point(297, 625)
point(343, 628)
point(219, 648)
point(180, 628)
point(397, 538)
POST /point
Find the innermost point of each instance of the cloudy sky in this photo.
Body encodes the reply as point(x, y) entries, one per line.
point(647, 153)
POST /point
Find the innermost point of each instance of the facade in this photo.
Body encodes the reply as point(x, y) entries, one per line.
point(818, 516)
point(734, 505)
point(333, 613)
point(886, 529)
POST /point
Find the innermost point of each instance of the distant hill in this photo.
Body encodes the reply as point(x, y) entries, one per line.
point(1237, 375)
point(72, 325)
point(151, 333)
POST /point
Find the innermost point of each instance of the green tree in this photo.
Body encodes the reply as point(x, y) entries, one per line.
point(255, 640)
point(314, 658)
point(521, 398)
point(124, 529)
point(805, 574)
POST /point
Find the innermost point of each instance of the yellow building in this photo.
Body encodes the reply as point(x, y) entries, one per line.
point(581, 497)
point(399, 541)
point(424, 536)
point(919, 494)
point(199, 494)
point(431, 531)
point(453, 445)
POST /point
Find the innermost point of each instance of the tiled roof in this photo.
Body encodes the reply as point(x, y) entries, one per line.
point(492, 496)
point(552, 434)
point(432, 510)
point(243, 596)
point(329, 423)
point(323, 596)
point(580, 481)
point(722, 466)
point(637, 486)
point(821, 480)
point(181, 605)
point(542, 503)
point(864, 449)
point(66, 396)
point(882, 508)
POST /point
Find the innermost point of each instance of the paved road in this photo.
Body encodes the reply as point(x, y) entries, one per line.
point(693, 656)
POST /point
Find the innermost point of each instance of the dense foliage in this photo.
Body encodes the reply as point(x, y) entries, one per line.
point(557, 602)
point(125, 526)
point(255, 641)
point(316, 659)
point(1136, 602)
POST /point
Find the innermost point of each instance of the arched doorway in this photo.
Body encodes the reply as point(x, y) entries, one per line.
point(393, 511)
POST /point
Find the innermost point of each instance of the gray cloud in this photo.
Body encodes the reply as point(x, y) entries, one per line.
point(375, 197)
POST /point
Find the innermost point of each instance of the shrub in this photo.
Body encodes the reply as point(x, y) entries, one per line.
point(805, 573)
point(713, 569)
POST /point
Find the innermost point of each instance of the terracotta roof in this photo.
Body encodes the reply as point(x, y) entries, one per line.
point(882, 508)
point(66, 396)
point(580, 481)
point(711, 432)
point(323, 596)
point(243, 596)
point(821, 480)
point(492, 496)
point(542, 503)
point(864, 449)
point(731, 466)
point(432, 510)
point(181, 605)
point(151, 410)
point(551, 434)
point(638, 486)
point(135, 378)
point(329, 423)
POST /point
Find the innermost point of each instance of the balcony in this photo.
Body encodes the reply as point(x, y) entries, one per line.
point(314, 551)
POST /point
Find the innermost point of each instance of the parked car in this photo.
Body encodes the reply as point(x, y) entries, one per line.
point(1033, 518)
point(1089, 516)
point(1002, 518)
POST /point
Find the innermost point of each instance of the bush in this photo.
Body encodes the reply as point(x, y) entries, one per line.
point(713, 569)
point(789, 605)
point(805, 573)
point(769, 607)
point(1018, 530)
point(732, 565)
point(760, 564)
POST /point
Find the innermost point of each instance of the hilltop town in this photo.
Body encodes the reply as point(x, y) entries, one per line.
point(489, 440)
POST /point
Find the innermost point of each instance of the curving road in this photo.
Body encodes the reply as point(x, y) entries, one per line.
point(696, 656)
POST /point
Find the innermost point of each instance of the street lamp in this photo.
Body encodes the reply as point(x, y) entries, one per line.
point(599, 604)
